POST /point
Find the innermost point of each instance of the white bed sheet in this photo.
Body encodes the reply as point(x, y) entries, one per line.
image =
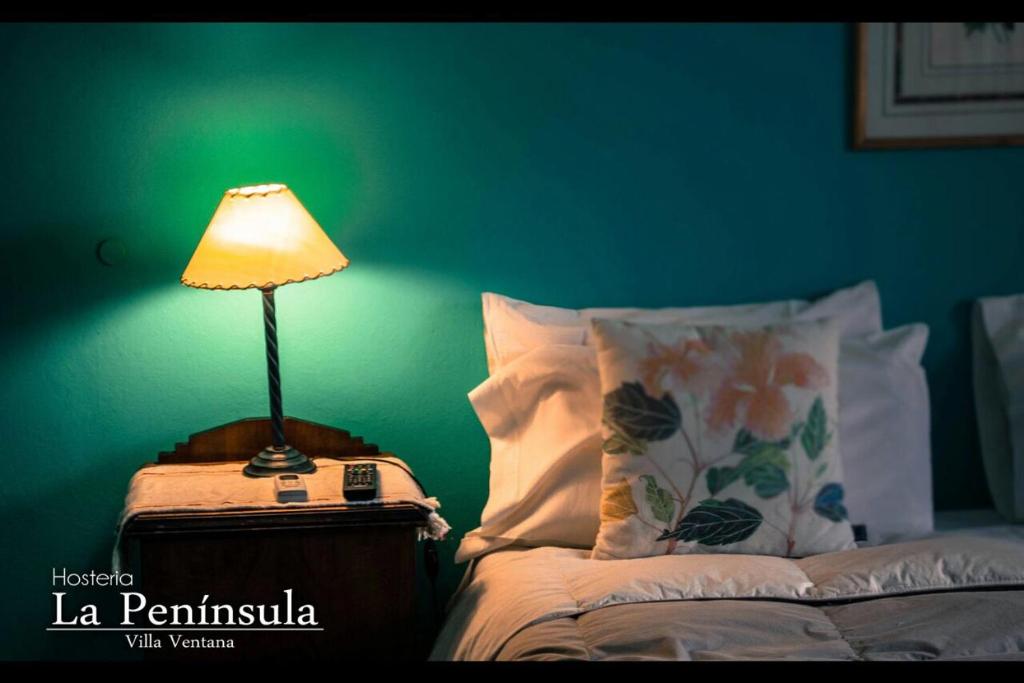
point(516, 589)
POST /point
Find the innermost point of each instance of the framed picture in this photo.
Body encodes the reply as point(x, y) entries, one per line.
point(932, 84)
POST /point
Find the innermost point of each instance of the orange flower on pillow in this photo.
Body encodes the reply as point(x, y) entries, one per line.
point(681, 360)
point(753, 385)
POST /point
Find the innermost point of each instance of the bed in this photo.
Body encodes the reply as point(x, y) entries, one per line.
point(955, 596)
point(590, 460)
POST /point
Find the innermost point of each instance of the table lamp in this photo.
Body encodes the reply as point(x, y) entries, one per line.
point(261, 237)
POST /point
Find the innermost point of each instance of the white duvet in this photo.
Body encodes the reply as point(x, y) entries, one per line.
point(556, 602)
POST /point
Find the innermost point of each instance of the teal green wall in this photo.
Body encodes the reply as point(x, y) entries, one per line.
point(572, 165)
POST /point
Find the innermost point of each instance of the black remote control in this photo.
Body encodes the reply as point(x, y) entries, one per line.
point(360, 481)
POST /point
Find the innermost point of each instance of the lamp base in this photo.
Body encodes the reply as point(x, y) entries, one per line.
point(274, 460)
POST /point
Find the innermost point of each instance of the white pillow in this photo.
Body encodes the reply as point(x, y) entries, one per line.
point(884, 432)
point(541, 411)
point(542, 415)
point(513, 327)
point(997, 332)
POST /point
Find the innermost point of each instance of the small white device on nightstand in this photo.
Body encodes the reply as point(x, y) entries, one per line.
point(290, 488)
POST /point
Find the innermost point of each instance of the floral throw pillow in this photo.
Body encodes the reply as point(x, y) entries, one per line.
point(720, 440)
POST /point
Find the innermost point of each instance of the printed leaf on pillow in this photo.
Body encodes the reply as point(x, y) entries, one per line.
point(769, 455)
point(765, 469)
point(829, 502)
point(631, 411)
point(617, 503)
point(720, 477)
point(715, 522)
point(622, 444)
point(815, 435)
point(746, 443)
point(768, 479)
point(663, 508)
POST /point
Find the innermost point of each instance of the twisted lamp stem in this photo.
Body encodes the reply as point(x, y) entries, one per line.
point(273, 368)
point(279, 457)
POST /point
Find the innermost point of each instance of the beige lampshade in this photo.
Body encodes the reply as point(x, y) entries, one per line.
point(261, 236)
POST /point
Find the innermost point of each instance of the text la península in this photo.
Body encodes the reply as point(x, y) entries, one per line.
point(134, 606)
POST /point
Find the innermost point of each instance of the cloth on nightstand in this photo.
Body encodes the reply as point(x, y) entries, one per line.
point(207, 487)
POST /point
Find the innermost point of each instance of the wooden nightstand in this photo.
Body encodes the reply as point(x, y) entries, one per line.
point(355, 565)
